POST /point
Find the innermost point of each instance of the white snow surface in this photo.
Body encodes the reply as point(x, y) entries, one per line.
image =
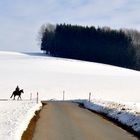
point(50, 76)
point(15, 117)
point(127, 113)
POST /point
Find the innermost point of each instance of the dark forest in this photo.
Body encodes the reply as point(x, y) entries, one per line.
point(102, 45)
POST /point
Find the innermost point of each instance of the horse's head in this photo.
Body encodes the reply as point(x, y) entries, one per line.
point(21, 91)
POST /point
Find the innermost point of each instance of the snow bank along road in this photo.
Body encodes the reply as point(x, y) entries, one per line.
point(67, 121)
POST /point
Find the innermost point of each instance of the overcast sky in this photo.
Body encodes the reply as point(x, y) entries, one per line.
point(20, 20)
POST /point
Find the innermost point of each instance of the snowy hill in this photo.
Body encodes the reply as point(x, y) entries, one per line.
point(50, 76)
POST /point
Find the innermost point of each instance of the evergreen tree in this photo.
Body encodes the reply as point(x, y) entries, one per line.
point(91, 44)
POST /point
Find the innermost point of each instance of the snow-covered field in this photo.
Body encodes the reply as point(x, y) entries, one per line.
point(49, 76)
point(15, 117)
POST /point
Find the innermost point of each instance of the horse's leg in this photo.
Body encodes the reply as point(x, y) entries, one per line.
point(20, 97)
point(14, 97)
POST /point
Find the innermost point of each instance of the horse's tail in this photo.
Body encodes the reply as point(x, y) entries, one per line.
point(12, 95)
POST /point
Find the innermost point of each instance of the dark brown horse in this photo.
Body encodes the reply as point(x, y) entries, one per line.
point(17, 93)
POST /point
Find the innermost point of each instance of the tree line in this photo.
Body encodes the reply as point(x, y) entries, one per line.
point(103, 45)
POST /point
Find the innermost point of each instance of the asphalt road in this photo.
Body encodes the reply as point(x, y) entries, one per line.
point(67, 121)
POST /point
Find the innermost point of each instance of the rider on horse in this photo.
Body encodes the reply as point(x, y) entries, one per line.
point(17, 92)
point(17, 89)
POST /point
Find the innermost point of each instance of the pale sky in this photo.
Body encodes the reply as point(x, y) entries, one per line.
point(20, 20)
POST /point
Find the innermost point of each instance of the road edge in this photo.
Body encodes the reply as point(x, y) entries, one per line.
point(28, 133)
point(115, 121)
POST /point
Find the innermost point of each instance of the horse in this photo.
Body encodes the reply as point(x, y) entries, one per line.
point(17, 93)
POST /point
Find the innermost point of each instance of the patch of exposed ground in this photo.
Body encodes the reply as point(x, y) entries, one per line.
point(28, 133)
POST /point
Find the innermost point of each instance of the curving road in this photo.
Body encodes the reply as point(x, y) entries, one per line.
point(67, 121)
